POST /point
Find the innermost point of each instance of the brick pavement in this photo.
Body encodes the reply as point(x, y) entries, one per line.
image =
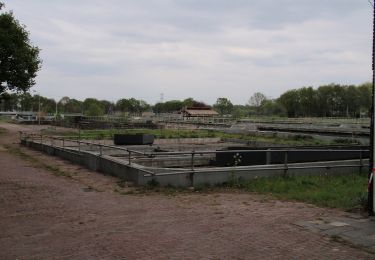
point(49, 217)
point(44, 216)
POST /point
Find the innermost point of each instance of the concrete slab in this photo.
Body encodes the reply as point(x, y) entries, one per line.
point(358, 231)
point(338, 224)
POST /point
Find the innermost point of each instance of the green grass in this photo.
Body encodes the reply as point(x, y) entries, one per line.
point(5, 119)
point(183, 133)
point(346, 192)
point(36, 162)
point(2, 131)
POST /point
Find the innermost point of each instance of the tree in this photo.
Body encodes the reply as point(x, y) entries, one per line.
point(364, 95)
point(257, 99)
point(168, 107)
point(93, 107)
point(19, 59)
point(73, 106)
point(223, 106)
point(291, 101)
point(8, 101)
point(272, 108)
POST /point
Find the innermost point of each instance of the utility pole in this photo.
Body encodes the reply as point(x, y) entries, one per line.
point(39, 109)
point(57, 103)
point(371, 183)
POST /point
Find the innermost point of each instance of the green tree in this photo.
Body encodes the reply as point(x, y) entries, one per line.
point(8, 101)
point(256, 100)
point(291, 101)
point(272, 108)
point(93, 107)
point(19, 59)
point(168, 107)
point(223, 106)
point(72, 106)
point(364, 95)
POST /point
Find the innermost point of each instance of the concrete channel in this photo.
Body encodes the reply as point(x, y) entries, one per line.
point(184, 168)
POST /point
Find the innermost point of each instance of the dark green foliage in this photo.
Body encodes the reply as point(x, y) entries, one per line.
point(327, 101)
point(132, 106)
point(176, 105)
point(93, 107)
point(19, 59)
point(223, 106)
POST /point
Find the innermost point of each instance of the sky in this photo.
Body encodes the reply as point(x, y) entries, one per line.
point(205, 49)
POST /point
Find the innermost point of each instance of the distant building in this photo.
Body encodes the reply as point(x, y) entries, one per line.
point(199, 112)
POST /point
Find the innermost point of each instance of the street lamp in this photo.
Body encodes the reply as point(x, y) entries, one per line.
point(38, 105)
point(371, 183)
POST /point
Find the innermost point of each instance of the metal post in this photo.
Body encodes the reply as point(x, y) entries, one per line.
point(100, 150)
point(39, 108)
point(129, 157)
point(371, 183)
point(360, 162)
point(192, 169)
point(79, 146)
point(192, 161)
point(268, 156)
point(63, 143)
point(285, 163)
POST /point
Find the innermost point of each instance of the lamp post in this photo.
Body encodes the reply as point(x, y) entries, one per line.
point(39, 109)
point(371, 183)
point(57, 102)
point(38, 105)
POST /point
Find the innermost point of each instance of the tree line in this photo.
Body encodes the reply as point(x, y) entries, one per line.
point(331, 100)
point(89, 106)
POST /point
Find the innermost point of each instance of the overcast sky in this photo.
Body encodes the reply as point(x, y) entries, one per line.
point(203, 49)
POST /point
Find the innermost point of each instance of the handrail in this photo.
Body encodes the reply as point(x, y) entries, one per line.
point(152, 154)
point(193, 170)
point(245, 168)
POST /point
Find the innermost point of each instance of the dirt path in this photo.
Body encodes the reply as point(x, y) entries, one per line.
point(46, 216)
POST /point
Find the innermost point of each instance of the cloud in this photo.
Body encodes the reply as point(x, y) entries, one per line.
point(196, 48)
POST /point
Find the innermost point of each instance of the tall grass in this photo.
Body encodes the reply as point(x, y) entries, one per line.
point(346, 192)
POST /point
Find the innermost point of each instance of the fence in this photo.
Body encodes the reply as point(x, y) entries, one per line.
point(130, 154)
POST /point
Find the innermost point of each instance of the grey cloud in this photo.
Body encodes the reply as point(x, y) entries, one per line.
point(205, 47)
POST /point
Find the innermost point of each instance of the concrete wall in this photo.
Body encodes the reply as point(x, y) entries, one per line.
point(175, 161)
point(185, 178)
point(187, 140)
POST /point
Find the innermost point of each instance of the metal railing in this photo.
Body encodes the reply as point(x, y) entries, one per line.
point(131, 154)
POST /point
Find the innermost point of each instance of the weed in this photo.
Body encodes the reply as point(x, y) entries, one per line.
point(3, 131)
point(36, 162)
point(153, 183)
point(347, 192)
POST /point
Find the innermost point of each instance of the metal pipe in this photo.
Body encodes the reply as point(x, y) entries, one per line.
point(258, 169)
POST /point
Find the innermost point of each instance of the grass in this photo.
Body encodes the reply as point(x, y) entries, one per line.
point(2, 131)
point(347, 192)
point(5, 119)
point(36, 162)
point(184, 133)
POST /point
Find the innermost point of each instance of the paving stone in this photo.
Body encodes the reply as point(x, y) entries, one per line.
point(338, 230)
point(338, 224)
